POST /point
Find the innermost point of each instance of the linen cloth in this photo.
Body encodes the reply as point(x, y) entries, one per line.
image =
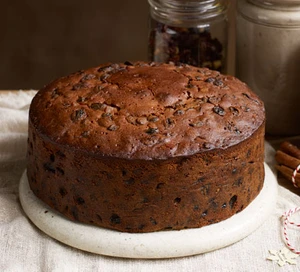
point(23, 247)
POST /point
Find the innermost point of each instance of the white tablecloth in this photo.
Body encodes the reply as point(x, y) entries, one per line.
point(23, 247)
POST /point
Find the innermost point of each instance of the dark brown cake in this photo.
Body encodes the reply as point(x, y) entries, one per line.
point(145, 147)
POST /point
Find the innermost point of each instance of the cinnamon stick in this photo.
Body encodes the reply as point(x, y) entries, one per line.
point(290, 149)
point(288, 172)
point(287, 160)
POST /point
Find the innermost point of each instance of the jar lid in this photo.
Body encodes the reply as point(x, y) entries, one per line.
point(277, 3)
point(278, 13)
point(188, 11)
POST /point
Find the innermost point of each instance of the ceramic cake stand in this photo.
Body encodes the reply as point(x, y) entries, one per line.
point(161, 244)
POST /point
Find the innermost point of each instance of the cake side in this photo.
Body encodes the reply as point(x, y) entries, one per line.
point(135, 195)
point(146, 111)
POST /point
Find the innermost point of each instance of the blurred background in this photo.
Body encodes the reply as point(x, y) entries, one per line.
point(43, 40)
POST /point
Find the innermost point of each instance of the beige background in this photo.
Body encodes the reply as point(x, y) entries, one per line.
point(43, 40)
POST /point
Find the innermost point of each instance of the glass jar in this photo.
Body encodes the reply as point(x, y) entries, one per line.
point(193, 32)
point(268, 59)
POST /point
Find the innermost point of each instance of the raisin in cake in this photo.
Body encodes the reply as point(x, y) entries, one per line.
point(142, 147)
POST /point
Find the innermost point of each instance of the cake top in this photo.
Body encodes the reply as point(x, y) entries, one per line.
point(146, 110)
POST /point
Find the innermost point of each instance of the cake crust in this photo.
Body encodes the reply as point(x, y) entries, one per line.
point(131, 111)
point(146, 147)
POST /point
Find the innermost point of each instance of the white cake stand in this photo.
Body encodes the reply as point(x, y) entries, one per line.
point(161, 244)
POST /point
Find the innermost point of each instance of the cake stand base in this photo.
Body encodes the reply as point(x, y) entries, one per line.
point(160, 244)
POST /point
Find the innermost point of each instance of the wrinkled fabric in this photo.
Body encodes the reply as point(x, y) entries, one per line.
point(23, 247)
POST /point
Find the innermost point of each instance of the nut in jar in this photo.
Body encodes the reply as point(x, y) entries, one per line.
point(191, 32)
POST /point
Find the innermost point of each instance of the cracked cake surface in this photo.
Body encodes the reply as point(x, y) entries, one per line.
point(142, 147)
point(144, 113)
